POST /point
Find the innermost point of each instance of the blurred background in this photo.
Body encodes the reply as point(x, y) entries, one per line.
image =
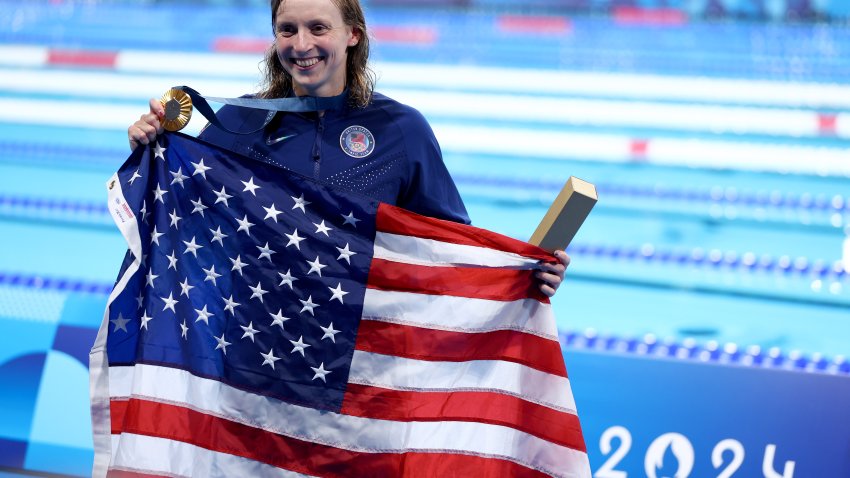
point(715, 131)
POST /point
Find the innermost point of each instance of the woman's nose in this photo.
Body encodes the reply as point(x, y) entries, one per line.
point(302, 40)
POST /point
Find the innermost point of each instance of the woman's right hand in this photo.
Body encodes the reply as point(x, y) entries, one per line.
point(148, 126)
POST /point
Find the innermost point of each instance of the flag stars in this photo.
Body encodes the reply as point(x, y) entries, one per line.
point(172, 261)
point(133, 178)
point(170, 302)
point(155, 235)
point(204, 314)
point(192, 246)
point(300, 202)
point(322, 228)
point(272, 213)
point(237, 264)
point(144, 210)
point(250, 186)
point(201, 168)
point(231, 305)
point(150, 278)
point(199, 206)
point(250, 331)
point(329, 332)
point(338, 293)
point(244, 225)
point(316, 266)
point(218, 236)
point(345, 253)
point(185, 287)
point(222, 344)
point(279, 319)
point(258, 291)
point(145, 319)
point(350, 219)
point(175, 219)
point(286, 278)
point(178, 177)
point(308, 305)
point(159, 193)
point(120, 323)
point(269, 359)
point(266, 252)
point(212, 275)
point(222, 196)
point(184, 330)
point(294, 239)
point(159, 152)
point(140, 299)
point(320, 372)
point(299, 346)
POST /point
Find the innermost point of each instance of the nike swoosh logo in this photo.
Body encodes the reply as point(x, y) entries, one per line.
point(270, 141)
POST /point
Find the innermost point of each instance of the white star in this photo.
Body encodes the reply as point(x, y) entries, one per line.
point(211, 274)
point(300, 202)
point(199, 206)
point(269, 358)
point(120, 323)
point(139, 299)
point(345, 253)
point(258, 291)
point(231, 305)
point(192, 247)
point(237, 264)
point(322, 228)
point(295, 239)
point(316, 266)
point(250, 186)
point(170, 302)
point(204, 315)
point(150, 278)
point(222, 344)
point(218, 236)
point(320, 372)
point(250, 331)
point(286, 278)
point(338, 293)
point(279, 319)
point(172, 261)
point(201, 168)
point(159, 193)
point(155, 236)
point(185, 287)
point(175, 219)
point(330, 332)
point(222, 196)
point(178, 176)
point(159, 151)
point(244, 225)
point(299, 346)
point(266, 252)
point(144, 210)
point(271, 212)
point(350, 219)
point(145, 319)
point(135, 176)
point(184, 329)
point(308, 305)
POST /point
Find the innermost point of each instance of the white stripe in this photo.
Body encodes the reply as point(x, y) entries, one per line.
point(460, 314)
point(511, 378)
point(161, 456)
point(415, 250)
point(178, 387)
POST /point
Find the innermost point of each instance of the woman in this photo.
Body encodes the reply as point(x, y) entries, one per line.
point(370, 144)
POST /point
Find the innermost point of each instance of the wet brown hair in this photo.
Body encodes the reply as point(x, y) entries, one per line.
point(359, 78)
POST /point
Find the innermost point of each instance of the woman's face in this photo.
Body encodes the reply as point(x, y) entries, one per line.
point(312, 41)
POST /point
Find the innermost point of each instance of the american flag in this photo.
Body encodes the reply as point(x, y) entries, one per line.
point(265, 324)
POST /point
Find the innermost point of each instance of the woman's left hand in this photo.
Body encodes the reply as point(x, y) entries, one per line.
point(551, 275)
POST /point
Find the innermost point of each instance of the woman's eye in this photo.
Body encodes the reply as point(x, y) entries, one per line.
point(286, 31)
point(319, 29)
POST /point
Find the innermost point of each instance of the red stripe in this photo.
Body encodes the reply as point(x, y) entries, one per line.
point(241, 45)
point(396, 220)
point(406, 34)
point(441, 345)
point(533, 24)
point(474, 282)
point(97, 59)
point(649, 16)
point(224, 436)
point(827, 123)
point(117, 412)
point(484, 407)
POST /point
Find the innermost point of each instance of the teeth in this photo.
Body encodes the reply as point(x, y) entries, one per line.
point(306, 63)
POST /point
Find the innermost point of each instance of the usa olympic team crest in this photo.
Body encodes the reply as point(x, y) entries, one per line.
point(357, 141)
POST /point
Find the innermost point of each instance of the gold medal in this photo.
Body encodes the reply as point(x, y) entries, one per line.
point(178, 109)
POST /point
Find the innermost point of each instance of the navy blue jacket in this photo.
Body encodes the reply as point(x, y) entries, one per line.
point(386, 151)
